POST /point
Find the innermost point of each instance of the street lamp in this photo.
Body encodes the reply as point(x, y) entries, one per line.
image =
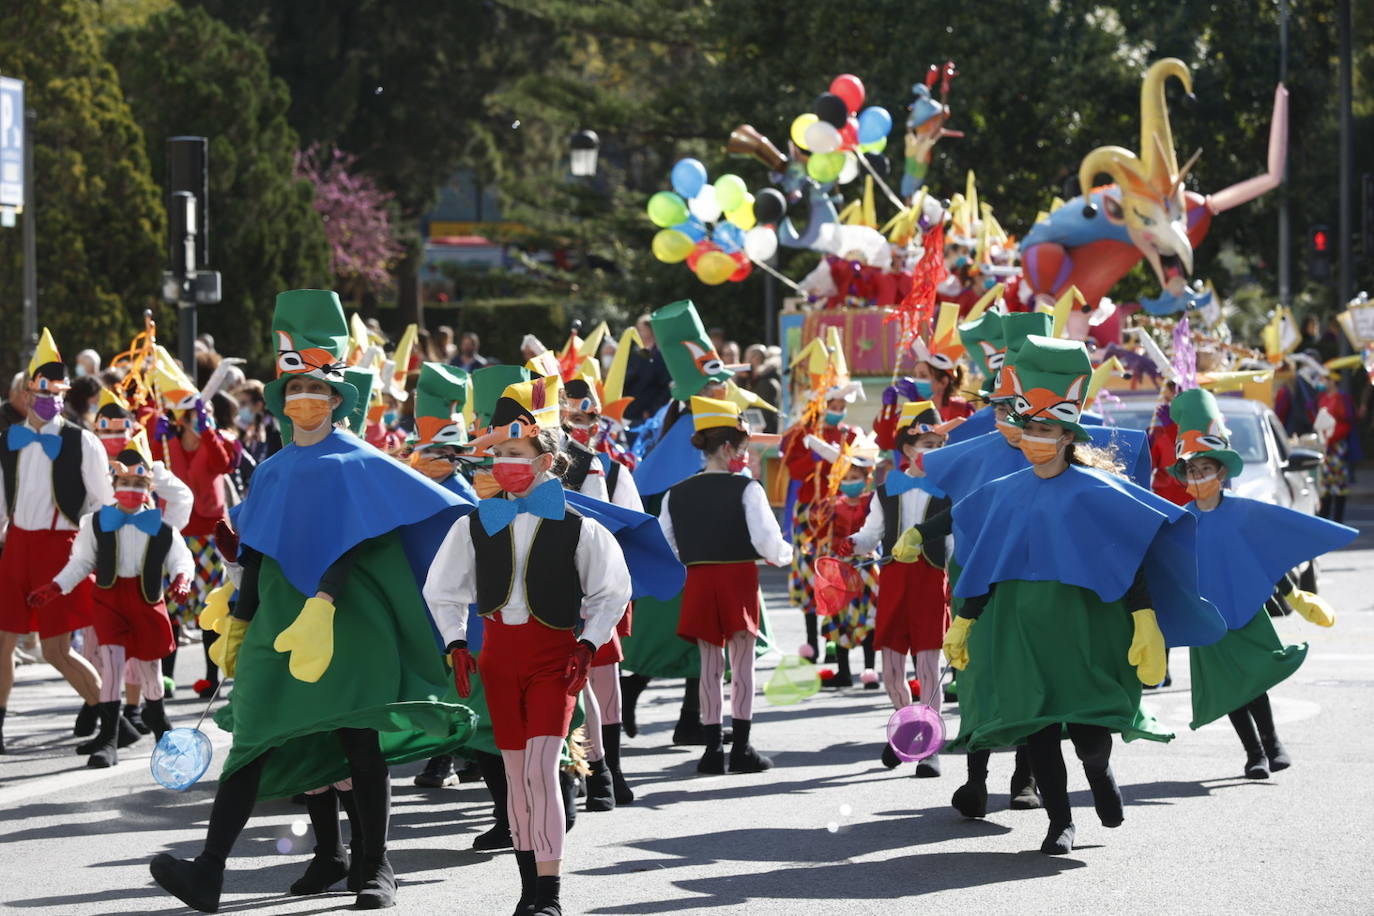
point(585, 144)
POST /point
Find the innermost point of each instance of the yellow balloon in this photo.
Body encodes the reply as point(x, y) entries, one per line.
point(743, 215)
point(671, 246)
point(799, 127)
point(715, 267)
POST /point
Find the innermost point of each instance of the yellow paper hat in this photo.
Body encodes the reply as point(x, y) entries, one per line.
point(709, 413)
point(824, 356)
point(110, 398)
point(583, 394)
point(614, 388)
point(135, 459)
point(944, 347)
point(925, 416)
point(46, 369)
point(173, 385)
point(527, 407)
point(746, 398)
point(396, 384)
point(545, 364)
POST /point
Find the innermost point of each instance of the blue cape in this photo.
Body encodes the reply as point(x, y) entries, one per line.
point(964, 467)
point(1245, 546)
point(309, 505)
point(1089, 529)
point(671, 460)
point(654, 568)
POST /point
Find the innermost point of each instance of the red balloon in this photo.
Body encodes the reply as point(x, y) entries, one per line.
point(850, 88)
point(849, 134)
point(701, 248)
point(745, 266)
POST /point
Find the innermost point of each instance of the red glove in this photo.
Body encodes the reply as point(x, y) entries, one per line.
point(45, 594)
point(463, 666)
point(180, 589)
point(575, 674)
point(227, 540)
point(842, 547)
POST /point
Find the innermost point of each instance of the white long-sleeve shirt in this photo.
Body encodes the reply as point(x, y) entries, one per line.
point(35, 506)
point(176, 497)
point(452, 581)
point(626, 493)
point(912, 505)
point(132, 544)
point(764, 532)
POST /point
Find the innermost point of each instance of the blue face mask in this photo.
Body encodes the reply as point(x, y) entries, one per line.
point(246, 416)
point(923, 388)
point(852, 487)
point(834, 417)
point(389, 418)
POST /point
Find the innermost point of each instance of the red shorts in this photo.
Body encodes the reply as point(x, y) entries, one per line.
point(522, 670)
point(122, 618)
point(718, 601)
point(913, 607)
point(30, 560)
point(610, 652)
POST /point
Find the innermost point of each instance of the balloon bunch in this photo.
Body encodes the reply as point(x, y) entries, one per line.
point(718, 228)
point(836, 133)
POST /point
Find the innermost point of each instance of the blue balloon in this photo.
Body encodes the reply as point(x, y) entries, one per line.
point(689, 176)
point(694, 229)
point(874, 124)
point(728, 236)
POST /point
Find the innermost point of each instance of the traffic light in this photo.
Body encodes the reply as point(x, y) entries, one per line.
point(1319, 253)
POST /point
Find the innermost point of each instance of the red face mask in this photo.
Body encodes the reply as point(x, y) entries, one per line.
point(514, 475)
point(738, 463)
point(581, 434)
point(114, 444)
point(130, 499)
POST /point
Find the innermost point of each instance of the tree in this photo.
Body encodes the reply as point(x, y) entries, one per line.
point(100, 219)
point(186, 73)
point(356, 219)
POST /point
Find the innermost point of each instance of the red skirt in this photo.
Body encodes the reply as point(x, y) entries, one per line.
point(31, 559)
point(522, 668)
point(718, 601)
point(123, 618)
point(913, 607)
point(610, 652)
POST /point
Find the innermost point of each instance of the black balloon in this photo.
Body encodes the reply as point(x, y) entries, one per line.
point(769, 206)
point(830, 107)
point(878, 162)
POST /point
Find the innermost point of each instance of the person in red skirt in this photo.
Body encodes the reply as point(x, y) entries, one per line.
point(51, 474)
point(537, 571)
point(913, 598)
point(938, 378)
point(719, 523)
point(129, 547)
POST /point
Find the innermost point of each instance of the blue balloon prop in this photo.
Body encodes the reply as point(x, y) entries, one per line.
point(693, 228)
point(874, 124)
point(728, 236)
point(181, 758)
point(689, 176)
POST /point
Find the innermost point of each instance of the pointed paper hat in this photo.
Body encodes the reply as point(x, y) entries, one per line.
point(311, 337)
point(582, 394)
point(488, 384)
point(527, 407)
point(112, 415)
point(746, 398)
point(1016, 327)
point(925, 416)
point(440, 395)
point(983, 342)
point(943, 349)
point(173, 385)
point(363, 378)
point(823, 359)
point(1049, 378)
point(863, 450)
point(401, 359)
point(544, 364)
point(1202, 432)
point(135, 459)
point(111, 404)
point(47, 372)
point(709, 413)
point(613, 389)
point(688, 353)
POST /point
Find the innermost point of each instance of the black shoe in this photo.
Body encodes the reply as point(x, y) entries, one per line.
point(631, 686)
point(839, 680)
point(1025, 794)
point(208, 691)
point(155, 715)
point(86, 720)
point(469, 772)
point(498, 837)
point(1058, 841)
point(195, 883)
point(529, 876)
point(890, 758)
point(125, 735)
point(712, 762)
point(104, 752)
point(929, 768)
point(600, 794)
point(1256, 764)
point(134, 715)
point(689, 732)
point(971, 799)
point(379, 886)
point(1107, 799)
point(1278, 756)
point(438, 773)
point(567, 782)
point(546, 888)
point(743, 757)
point(324, 871)
point(620, 789)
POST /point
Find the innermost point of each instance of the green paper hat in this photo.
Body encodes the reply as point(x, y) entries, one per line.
point(440, 395)
point(1016, 327)
point(311, 336)
point(1048, 379)
point(1202, 432)
point(982, 340)
point(688, 353)
point(363, 380)
point(488, 385)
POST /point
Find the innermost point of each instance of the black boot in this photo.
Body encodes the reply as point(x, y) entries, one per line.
point(689, 732)
point(155, 714)
point(438, 773)
point(86, 720)
point(813, 638)
point(135, 718)
point(1093, 744)
point(610, 740)
point(524, 860)
point(844, 677)
point(2, 729)
point(971, 799)
point(890, 758)
point(743, 757)
point(1256, 762)
point(196, 883)
point(105, 753)
point(372, 795)
point(928, 768)
point(712, 762)
point(1047, 762)
point(600, 794)
point(330, 864)
point(468, 771)
point(125, 734)
point(1024, 794)
point(1263, 714)
point(631, 686)
point(546, 888)
point(567, 784)
point(355, 840)
point(494, 775)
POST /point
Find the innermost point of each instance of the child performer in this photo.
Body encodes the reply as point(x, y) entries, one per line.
point(1244, 546)
point(719, 523)
point(128, 546)
point(537, 570)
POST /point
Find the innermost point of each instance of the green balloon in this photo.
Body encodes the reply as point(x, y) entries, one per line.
point(825, 167)
point(667, 209)
point(730, 191)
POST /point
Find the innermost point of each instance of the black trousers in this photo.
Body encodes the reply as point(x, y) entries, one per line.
point(1093, 744)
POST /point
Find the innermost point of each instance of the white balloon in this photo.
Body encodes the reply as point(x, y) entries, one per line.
point(822, 137)
point(851, 168)
point(760, 243)
point(704, 206)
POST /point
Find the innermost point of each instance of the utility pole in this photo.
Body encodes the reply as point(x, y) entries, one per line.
point(30, 240)
point(1345, 288)
point(1285, 240)
point(187, 283)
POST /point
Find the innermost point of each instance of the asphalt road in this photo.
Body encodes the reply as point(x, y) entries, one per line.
point(828, 831)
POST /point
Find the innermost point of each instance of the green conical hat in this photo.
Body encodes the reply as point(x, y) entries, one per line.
point(1016, 327)
point(488, 385)
point(363, 380)
point(440, 395)
point(1202, 432)
point(982, 340)
point(688, 353)
point(311, 337)
point(1049, 379)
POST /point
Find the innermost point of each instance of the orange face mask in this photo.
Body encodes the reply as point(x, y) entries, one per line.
point(1010, 431)
point(433, 468)
point(485, 485)
point(308, 410)
point(1038, 449)
point(1203, 489)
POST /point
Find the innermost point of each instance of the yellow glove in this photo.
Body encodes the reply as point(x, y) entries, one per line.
point(225, 651)
point(216, 614)
point(908, 546)
point(1147, 648)
point(956, 642)
point(310, 640)
point(1313, 607)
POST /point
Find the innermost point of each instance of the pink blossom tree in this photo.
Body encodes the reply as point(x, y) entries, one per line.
point(357, 220)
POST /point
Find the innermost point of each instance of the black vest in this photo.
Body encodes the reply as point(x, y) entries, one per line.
point(553, 588)
point(154, 557)
point(612, 478)
point(581, 459)
point(68, 486)
point(709, 524)
point(934, 549)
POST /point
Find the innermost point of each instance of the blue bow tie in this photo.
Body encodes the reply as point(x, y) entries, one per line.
point(21, 435)
point(898, 483)
point(545, 501)
point(112, 518)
